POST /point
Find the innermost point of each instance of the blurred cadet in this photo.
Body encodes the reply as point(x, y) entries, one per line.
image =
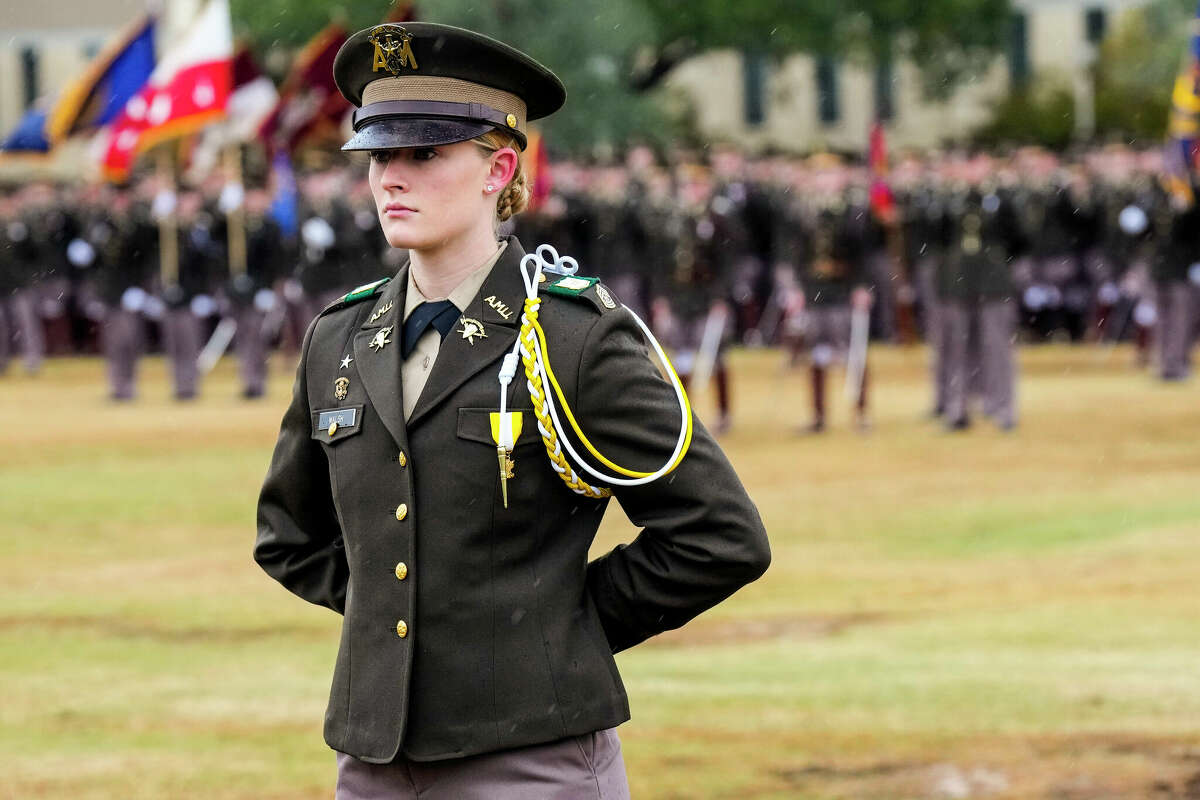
point(921, 210)
point(692, 307)
point(981, 238)
point(8, 278)
point(476, 656)
point(128, 259)
point(1176, 273)
point(26, 271)
point(251, 294)
point(325, 246)
point(828, 243)
point(188, 300)
point(742, 218)
point(618, 237)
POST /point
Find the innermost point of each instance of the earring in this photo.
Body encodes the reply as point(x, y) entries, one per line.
point(491, 188)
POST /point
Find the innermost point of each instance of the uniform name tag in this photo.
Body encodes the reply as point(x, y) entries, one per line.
point(342, 417)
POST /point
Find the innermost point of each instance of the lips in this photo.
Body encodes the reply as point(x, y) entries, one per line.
point(398, 210)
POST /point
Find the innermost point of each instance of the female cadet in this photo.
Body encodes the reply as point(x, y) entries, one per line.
point(446, 508)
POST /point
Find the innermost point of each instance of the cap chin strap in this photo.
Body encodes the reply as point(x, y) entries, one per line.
point(534, 352)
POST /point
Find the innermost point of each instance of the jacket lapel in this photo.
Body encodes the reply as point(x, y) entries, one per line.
point(379, 368)
point(497, 307)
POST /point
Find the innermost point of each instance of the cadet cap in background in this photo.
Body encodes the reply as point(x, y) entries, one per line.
point(422, 84)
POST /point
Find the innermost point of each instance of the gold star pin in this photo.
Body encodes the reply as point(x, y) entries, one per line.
point(470, 329)
point(381, 338)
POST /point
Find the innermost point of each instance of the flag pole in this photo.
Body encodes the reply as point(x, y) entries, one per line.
point(236, 216)
point(168, 242)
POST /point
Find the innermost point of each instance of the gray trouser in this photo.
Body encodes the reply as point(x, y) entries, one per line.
point(123, 335)
point(5, 335)
point(997, 327)
point(587, 767)
point(990, 368)
point(31, 336)
point(1175, 328)
point(181, 338)
point(251, 349)
point(934, 330)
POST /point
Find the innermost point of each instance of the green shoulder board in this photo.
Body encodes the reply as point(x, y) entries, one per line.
point(365, 291)
point(582, 288)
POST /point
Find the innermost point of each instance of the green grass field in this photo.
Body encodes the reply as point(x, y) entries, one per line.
point(948, 615)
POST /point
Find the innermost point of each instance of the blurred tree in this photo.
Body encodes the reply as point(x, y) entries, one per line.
point(949, 40)
point(588, 43)
point(1137, 68)
point(1043, 113)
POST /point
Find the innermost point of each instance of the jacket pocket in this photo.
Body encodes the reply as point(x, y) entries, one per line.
point(475, 425)
point(332, 425)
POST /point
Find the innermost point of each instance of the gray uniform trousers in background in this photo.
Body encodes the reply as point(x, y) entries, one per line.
point(181, 340)
point(1175, 329)
point(30, 335)
point(586, 767)
point(251, 350)
point(123, 334)
point(997, 329)
point(934, 330)
point(988, 368)
point(5, 336)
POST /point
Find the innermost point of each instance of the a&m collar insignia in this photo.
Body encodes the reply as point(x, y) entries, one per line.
point(381, 311)
point(341, 388)
point(393, 49)
point(381, 338)
point(498, 306)
point(470, 329)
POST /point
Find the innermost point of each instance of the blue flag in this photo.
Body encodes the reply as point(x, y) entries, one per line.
point(30, 134)
point(285, 205)
point(114, 76)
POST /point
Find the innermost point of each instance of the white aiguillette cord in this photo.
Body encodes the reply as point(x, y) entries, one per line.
point(530, 345)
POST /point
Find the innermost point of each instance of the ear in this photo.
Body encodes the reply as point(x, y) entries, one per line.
point(503, 166)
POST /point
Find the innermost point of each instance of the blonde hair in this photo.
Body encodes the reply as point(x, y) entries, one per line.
point(515, 196)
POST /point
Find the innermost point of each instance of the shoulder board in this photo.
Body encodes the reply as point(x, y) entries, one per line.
point(365, 291)
point(581, 288)
point(355, 295)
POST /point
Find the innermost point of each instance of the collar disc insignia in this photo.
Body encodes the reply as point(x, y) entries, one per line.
point(381, 338)
point(470, 329)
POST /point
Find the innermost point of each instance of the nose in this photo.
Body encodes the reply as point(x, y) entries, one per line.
point(393, 176)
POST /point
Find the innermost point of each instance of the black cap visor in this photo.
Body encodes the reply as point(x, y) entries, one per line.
point(396, 132)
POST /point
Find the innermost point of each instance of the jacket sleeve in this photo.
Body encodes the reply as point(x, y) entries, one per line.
point(702, 538)
point(299, 540)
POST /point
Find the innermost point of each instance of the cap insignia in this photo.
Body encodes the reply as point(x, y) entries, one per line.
point(393, 49)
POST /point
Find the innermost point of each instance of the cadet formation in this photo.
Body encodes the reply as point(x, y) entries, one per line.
point(972, 252)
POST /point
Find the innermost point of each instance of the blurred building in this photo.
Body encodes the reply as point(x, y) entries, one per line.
point(806, 103)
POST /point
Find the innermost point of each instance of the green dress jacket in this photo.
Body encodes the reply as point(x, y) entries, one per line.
point(470, 627)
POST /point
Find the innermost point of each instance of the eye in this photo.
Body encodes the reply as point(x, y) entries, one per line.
point(381, 156)
point(424, 154)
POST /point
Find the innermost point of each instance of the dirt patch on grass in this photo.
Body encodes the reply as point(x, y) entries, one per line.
point(1083, 767)
point(150, 629)
point(742, 631)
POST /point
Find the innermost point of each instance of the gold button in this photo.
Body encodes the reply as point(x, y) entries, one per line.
point(403, 459)
point(402, 629)
point(511, 120)
point(401, 571)
point(401, 512)
point(332, 428)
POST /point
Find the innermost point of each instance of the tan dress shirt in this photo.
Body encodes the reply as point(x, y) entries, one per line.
point(416, 368)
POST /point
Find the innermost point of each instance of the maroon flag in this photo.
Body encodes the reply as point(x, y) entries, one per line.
point(310, 105)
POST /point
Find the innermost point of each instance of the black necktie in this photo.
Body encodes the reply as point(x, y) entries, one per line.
point(441, 315)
